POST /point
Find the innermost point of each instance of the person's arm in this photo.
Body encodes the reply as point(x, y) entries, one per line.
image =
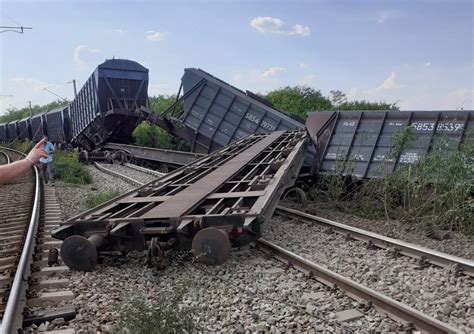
point(17, 168)
point(13, 170)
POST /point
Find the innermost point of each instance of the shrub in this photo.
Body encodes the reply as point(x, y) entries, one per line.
point(164, 314)
point(22, 146)
point(96, 199)
point(435, 192)
point(67, 168)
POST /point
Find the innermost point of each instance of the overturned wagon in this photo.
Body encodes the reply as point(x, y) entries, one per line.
point(362, 143)
point(215, 202)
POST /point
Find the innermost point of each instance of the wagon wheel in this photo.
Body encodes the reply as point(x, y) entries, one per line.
point(297, 193)
point(121, 157)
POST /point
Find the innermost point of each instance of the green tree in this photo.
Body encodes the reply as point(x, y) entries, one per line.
point(14, 114)
point(149, 135)
point(299, 100)
point(366, 105)
point(160, 103)
point(337, 98)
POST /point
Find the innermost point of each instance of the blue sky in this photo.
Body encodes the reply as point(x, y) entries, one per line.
point(419, 53)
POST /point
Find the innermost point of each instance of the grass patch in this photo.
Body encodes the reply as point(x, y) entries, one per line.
point(93, 200)
point(165, 313)
point(67, 168)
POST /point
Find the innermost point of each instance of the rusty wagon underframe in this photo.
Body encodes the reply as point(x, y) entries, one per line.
point(218, 200)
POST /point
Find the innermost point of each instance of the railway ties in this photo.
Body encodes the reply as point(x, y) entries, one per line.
point(28, 286)
point(49, 296)
point(422, 254)
point(412, 319)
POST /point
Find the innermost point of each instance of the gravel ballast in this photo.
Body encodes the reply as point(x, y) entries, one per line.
point(457, 244)
point(249, 292)
point(431, 290)
point(131, 173)
point(72, 198)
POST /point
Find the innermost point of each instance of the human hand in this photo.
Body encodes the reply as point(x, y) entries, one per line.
point(37, 152)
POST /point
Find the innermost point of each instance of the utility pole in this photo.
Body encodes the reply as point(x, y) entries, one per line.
point(75, 89)
point(74, 84)
point(31, 109)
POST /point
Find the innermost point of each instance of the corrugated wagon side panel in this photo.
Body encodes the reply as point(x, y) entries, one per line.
point(23, 129)
point(3, 132)
point(217, 114)
point(12, 130)
point(54, 120)
point(83, 108)
point(362, 142)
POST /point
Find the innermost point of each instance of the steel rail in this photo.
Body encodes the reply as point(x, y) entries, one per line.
point(144, 170)
point(405, 248)
point(116, 174)
point(396, 310)
point(12, 317)
point(7, 157)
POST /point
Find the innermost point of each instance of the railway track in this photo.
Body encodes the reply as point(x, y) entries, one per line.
point(130, 173)
point(20, 208)
point(397, 311)
point(367, 297)
point(423, 254)
point(32, 292)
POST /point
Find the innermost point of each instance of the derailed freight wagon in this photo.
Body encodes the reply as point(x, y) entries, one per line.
point(3, 133)
point(12, 131)
point(24, 131)
point(361, 143)
point(216, 201)
point(106, 108)
point(216, 114)
point(58, 125)
point(37, 127)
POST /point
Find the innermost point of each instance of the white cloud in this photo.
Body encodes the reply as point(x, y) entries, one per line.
point(120, 31)
point(427, 64)
point(273, 25)
point(265, 24)
point(299, 29)
point(303, 65)
point(389, 83)
point(82, 55)
point(272, 71)
point(154, 36)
